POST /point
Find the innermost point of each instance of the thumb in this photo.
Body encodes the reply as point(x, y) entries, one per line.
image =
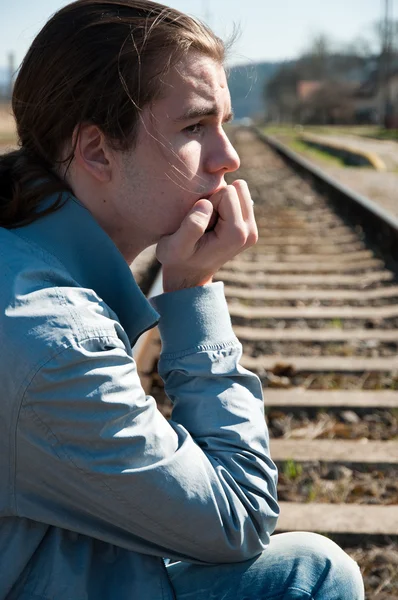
point(193, 226)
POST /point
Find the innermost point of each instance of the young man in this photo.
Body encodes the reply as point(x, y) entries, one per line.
point(120, 108)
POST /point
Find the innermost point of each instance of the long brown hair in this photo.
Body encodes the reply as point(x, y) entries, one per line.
point(94, 61)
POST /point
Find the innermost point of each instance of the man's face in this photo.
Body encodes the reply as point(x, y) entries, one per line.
point(182, 152)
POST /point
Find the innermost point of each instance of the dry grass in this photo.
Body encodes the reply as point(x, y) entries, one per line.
point(379, 568)
point(326, 424)
point(322, 482)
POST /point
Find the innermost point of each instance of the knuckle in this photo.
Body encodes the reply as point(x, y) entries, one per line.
point(240, 237)
point(252, 238)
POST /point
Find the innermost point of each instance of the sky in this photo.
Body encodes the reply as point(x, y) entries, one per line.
point(270, 29)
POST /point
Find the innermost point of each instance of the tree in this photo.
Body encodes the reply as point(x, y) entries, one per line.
point(281, 94)
point(328, 71)
point(332, 103)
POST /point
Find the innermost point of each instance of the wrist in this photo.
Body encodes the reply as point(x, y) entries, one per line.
point(173, 283)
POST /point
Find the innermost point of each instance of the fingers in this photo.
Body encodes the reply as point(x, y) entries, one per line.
point(192, 254)
point(230, 225)
point(184, 241)
point(245, 198)
point(195, 223)
point(247, 208)
point(237, 216)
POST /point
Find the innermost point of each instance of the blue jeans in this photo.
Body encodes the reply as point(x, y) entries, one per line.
point(295, 566)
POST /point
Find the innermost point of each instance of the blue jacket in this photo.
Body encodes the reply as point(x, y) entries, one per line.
point(96, 486)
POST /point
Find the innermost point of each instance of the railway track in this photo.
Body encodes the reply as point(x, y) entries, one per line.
point(315, 305)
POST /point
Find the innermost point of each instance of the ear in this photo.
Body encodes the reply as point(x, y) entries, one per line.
point(92, 152)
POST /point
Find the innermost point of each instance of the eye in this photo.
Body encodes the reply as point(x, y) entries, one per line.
point(196, 128)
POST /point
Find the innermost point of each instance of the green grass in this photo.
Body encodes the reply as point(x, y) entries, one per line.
point(368, 131)
point(302, 148)
point(291, 469)
point(336, 323)
point(383, 134)
point(312, 494)
point(360, 130)
point(291, 130)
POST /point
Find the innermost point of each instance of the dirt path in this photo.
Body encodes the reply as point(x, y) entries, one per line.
point(382, 188)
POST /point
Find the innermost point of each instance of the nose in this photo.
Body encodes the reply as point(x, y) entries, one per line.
point(222, 156)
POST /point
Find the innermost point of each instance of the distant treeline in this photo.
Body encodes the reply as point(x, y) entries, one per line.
point(246, 84)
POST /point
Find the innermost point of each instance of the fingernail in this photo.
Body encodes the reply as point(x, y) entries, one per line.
point(206, 209)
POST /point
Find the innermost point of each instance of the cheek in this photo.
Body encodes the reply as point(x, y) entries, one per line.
point(188, 159)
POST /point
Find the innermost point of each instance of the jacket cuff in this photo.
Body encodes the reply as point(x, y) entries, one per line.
point(194, 317)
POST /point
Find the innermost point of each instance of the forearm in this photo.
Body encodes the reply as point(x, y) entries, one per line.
point(214, 398)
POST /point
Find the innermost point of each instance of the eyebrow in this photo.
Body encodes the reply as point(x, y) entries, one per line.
point(203, 111)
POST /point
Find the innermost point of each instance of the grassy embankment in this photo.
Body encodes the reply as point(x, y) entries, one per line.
point(289, 136)
point(368, 131)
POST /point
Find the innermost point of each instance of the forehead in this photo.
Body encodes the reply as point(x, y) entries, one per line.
point(196, 79)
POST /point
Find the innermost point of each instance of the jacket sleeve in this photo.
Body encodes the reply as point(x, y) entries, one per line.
point(95, 456)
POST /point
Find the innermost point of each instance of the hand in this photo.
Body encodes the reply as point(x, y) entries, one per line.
point(192, 255)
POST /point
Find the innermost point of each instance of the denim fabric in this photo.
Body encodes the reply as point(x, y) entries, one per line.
point(295, 566)
point(96, 485)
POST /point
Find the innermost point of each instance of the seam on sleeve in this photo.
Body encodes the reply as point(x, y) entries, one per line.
point(72, 313)
point(230, 345)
